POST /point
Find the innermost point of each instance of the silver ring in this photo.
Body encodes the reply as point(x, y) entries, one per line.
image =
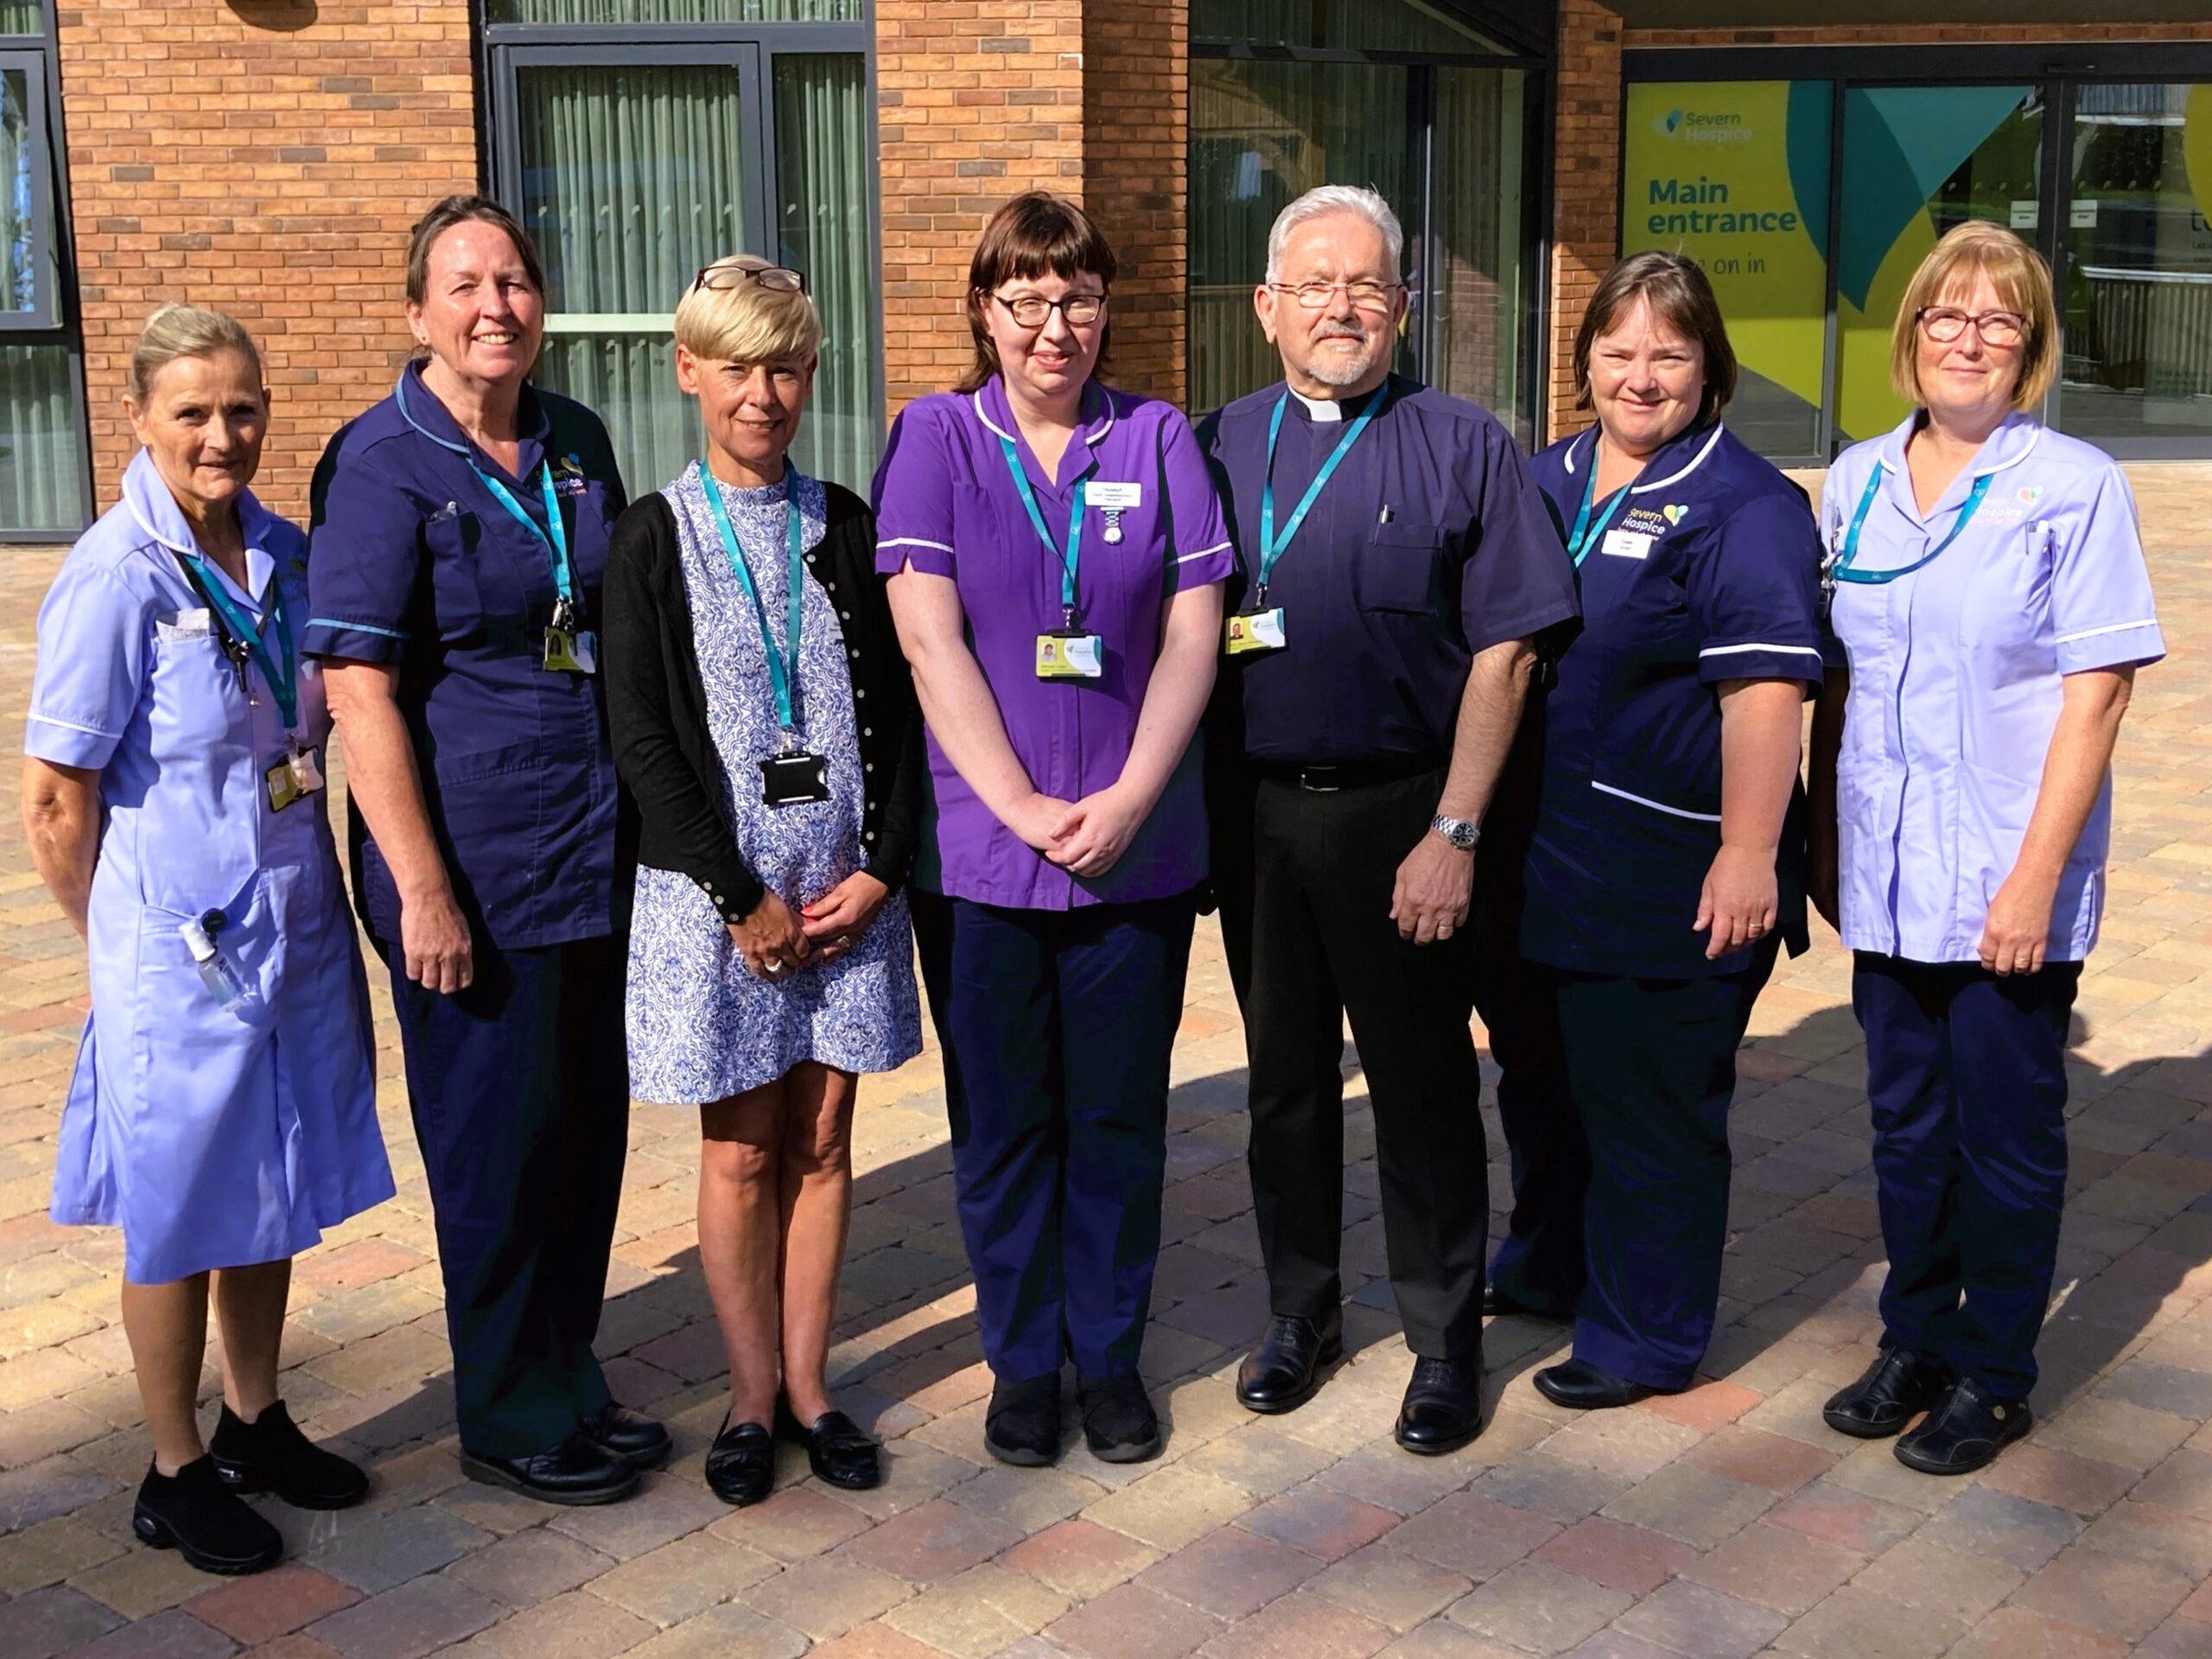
point(844, 941)
point(774, 965)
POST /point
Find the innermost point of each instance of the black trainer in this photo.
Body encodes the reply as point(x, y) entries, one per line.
point(632, 1435)
point(1887, 1396)
point(1119, 1424)
point(193, 1513)
point(1965, 1431)
point(578, 1470)
point(270, 1454)
point(1022, 1424)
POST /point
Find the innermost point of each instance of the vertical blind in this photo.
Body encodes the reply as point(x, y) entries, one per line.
point(822, 219)
point(41, 446)
point(21, 17)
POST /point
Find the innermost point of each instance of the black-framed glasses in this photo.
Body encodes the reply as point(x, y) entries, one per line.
point(779, 279)
point(1946, 323)
point(1031, 311)
point(1363, 295)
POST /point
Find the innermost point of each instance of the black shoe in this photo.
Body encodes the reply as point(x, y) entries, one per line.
point(270, 1454)
point(839, 1451)
point(211, 1527)
point(1887, 1395)
point(1964, 1431)
point(741, 1463)
point(1443, 1408)
point(630, 1436)
point(1119, 1424)
point(1284, 1370)
point(578, 1470)
point(1022, 1424)
point(1580, 1386)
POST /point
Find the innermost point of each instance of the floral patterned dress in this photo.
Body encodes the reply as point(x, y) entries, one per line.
point(703, 1026)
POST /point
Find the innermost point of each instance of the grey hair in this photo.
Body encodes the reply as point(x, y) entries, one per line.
point(1336, 199)
point(178, 331)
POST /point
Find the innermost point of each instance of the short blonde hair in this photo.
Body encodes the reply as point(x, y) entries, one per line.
point(748, 323)
point(177, 331)
point(2022, 280)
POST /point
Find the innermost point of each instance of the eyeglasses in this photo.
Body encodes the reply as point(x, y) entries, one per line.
point(718, 279)
point(1364, 296)
point(1030, 310)
point(1946, 323)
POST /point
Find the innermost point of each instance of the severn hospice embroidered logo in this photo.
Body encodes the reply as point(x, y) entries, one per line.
point(1674, 515)
point(2031, 494)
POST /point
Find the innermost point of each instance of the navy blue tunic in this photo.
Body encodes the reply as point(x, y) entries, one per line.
point(1708, 571)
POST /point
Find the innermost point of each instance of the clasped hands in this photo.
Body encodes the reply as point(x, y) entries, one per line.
point(1085, 837)
point(775, 940)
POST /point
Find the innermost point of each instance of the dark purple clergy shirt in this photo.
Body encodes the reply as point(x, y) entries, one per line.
point(1429, 544)
point(946, 504)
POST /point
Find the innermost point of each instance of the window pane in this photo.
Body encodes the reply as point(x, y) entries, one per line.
point(21, 17)
point(1345, 25)
point(1735, 175)
point(634, 177)
point(24, 202)
point(1261, 134)
point(41, 442)
point(822, 164)
point(1477, 267)
point(673, 11)
point(2139, 291)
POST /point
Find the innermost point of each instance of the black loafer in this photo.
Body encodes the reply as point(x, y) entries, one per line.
point(578, 1470)
point(1887, 1396)
point(1965, 1431)
point(1579, 1386)
point(193, 1513)
point(270, 1454)
point(1443, 1407)
point(630, 1436)
point(1284, 1370)
point(1119, 1424)
point(741, 1463)
point(839, 1451)
point(1022, 1424)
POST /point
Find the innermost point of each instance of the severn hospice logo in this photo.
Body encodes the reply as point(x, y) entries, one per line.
point(1689, 127)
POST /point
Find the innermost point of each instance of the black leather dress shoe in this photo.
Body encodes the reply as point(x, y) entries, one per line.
point(632, 1435)
point(741, 1463)
point(193, 1513)
point(1021, 1426)
point(1898, 1385)
point(1443, 1407)
point(1965, 1431)
point(270, 1454)
point(1119, 1424)
point(578, 1470)
point(1284, 1370)
point(1579, 1386)
point(839, 1451)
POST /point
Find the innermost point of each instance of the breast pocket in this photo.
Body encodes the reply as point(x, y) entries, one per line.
point(1397, 568)
point(2003, 600)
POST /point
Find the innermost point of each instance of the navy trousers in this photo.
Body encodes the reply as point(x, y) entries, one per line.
point(1539, 1264)
point(1056, 1028)
point(520, 1089)
point(1966, 1072)
point(1652, 1065)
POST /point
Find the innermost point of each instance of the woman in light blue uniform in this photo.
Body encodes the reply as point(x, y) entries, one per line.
point(223, 1111)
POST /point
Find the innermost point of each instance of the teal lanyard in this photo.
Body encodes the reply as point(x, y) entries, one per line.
point(1585, 533)
point(280, 668)
point(1841, 570)
point(555, 537)
point(1271, 546)
point(1073, 552)
point(783, 666)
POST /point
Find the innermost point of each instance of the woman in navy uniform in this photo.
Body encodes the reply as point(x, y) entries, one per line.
point(460, 534)
point(1667, 861)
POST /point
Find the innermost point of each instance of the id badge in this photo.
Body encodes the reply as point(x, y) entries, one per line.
point(307, 769)
point(571, 652)
point(1251, 632)
point(1066, 654)
point(794, 780)
point(283, 784)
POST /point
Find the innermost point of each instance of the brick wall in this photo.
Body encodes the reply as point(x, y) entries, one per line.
point(266, 160)
point(1136, 136)
point(1585, 186)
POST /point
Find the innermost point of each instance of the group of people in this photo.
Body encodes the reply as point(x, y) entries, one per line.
point(668, 797)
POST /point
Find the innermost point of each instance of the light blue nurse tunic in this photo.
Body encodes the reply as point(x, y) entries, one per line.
point(213, 1134)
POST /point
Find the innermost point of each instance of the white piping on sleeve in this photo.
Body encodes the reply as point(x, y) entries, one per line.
point(1730, 651)
point(1656, 806)
point(2110, 627)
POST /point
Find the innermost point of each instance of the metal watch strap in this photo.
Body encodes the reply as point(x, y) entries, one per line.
point(1460, 832)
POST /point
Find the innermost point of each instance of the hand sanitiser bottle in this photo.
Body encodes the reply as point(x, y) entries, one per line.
point(215, 972)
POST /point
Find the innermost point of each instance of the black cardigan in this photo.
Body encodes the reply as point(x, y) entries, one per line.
point(657, 704)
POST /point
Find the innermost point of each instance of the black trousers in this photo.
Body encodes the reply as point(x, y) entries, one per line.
point(1306, 923)
point(520, 1088)
point(1539, 1265)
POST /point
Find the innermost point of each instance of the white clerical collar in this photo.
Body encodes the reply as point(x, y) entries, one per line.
point(1323, 409)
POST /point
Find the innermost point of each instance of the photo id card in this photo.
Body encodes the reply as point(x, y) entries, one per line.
point(298, 774)
point(1251, 632)
point(571, 652)
point(1067, 654)
point(794, 780)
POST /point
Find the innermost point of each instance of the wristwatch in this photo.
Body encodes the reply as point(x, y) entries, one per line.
point(1462, 833)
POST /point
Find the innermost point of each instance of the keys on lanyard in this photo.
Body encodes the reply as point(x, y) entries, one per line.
point(299, 773)
point(1838, 567)
point(797, 776)
point(568, 648)
point(1066, 652)
point(1259, 629)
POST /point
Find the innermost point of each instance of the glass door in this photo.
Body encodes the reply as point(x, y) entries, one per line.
point(42, 462)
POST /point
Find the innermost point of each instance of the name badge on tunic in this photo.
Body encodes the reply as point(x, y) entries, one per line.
point(1069, 654)
point(572, 651)
point(1114, 500)
point(297, 775)
point(1254, 632)
point(1626, 544)
point(795, 778)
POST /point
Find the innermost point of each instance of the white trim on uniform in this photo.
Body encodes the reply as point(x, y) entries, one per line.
point(976, 398)
point(1205, 552)
point(1656, 806)
point(913, 541)
point(2109, 627)
point(1675, 478)
point(1730, 650)
point(74, 726)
